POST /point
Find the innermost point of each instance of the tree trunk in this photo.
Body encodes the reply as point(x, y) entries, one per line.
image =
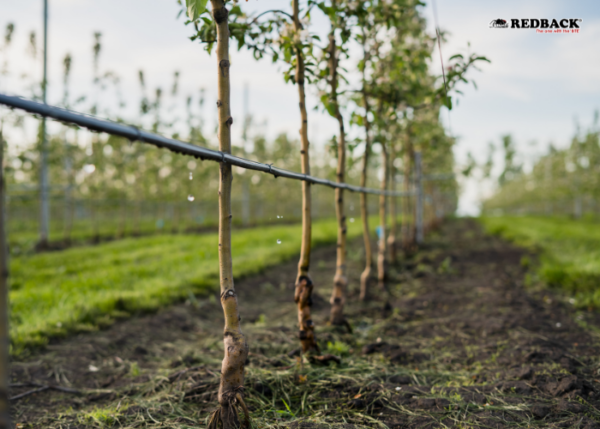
point(304, 284)
point(366, 274)
point(231, 388)
point(394, 226)
point(4, 306)
point(382, 220)
point(339, 281)
point(364, 213)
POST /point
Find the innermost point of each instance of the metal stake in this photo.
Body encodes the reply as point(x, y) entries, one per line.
point(44, 201)
point(4, 308)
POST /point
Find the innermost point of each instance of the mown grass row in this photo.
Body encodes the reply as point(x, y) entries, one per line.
point(569, 251)
point(57, 293)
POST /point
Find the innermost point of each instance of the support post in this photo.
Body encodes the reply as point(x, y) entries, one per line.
point(4, 307)
point(68, 206)
point(419, 190)
point(44, 201)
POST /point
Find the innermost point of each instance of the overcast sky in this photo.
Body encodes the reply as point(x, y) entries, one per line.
point(535, 88)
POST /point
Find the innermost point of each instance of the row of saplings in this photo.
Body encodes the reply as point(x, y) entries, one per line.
point(393, 82)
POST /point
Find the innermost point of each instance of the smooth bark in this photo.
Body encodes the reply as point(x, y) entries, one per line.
point(304, 284)
point(382, 220)
point(340, 282)
point(364, 211)
point(231, 388)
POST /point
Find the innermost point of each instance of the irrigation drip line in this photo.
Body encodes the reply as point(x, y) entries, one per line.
point(134, 133)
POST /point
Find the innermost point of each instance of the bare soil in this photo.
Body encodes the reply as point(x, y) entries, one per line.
point(456, 341)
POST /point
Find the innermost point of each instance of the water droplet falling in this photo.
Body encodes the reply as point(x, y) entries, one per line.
point(191, 198)
point(351, 220)
point(191, 175)
point(278, 241)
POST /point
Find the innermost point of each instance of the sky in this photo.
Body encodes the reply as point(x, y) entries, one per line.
point(536, 87)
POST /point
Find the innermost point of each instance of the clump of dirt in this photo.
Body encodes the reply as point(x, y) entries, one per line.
point(457, 341)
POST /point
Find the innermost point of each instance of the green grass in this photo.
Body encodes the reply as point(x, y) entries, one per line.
point(57, 293)
point(569, 251)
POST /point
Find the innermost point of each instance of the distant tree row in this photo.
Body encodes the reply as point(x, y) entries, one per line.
point(560, 182)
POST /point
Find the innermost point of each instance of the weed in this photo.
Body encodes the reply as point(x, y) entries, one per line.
point(338, 348)
point(134, 369)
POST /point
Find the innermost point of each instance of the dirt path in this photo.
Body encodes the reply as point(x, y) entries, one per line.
point(461, 344)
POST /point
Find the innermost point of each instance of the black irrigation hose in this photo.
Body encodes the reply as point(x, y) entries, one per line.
point(133, 133)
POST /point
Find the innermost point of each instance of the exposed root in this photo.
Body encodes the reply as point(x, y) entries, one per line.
point(214, 422)
point(231, 386)
point(240, 399)
point(226, 416)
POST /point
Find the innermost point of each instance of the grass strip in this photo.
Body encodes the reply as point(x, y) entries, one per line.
point(80, 289)
point(569, 251)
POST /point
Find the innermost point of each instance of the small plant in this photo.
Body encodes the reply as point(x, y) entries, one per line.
point(261, 321)
point(134, 369)
point(103, 417)
point(338, 348)
point(446, 266)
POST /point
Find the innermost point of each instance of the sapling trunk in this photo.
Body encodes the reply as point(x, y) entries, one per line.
point(382, 220)
point(304, 284)
point(4, 332)
point(231, 388)
point(394, 225)
point(366, 274)
point(340, 281)
point(364, 213)
point(407, 213)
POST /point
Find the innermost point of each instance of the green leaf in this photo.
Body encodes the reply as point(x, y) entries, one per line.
point(195, 8)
